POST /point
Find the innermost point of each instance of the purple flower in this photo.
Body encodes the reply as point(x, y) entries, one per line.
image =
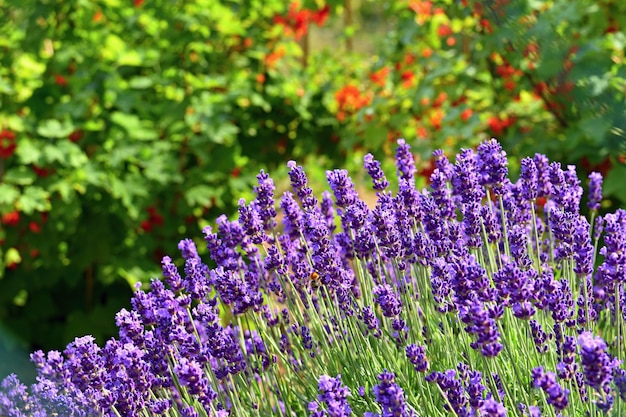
point(417, 356)
point(597, 365)
point(452, 388)
point(405, 163)
point(343, 188)
point(557, 395)
point(299, 183)
point(265, 200)
point(479, 323)
point(250, 219)
point(466, 182)
point(391, 397)
point(388, 300)
point(492, 408)
point(375, 172)
point(334, 396)
point(529, 179)
point(492, 166)
point(595, 191)
point(540, 337)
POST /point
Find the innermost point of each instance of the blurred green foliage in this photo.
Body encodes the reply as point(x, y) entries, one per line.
point(126, 125)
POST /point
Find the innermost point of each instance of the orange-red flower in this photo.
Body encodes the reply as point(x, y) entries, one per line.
point(60, 80)
point(407, 78)
point(380, 77)
point(320, 16)
point(436, 118)
point(421, 7)
point(7, 144)
point(273, 57)
point(350, 100)
point(11, 219)
point(295, 22)
point(444, 30)
point(34, 227)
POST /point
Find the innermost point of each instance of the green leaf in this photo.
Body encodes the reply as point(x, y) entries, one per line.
point(64, 188)
point(140, 83)
point(53, 128)
point(29, 152)
point(613, 184)
point(8, 194)
point(134, 126)
point(20, 175)
point(200, 195)
point(34, 199)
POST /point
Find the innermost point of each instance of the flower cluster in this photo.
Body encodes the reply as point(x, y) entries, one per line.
point(468, 298)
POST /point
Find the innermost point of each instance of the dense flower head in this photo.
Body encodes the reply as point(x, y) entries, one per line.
point(476, 296)
point(405, 163)
point(595, 190)
point(391, 397)
point(492, 166)
point(375, 172)
point(333, 394)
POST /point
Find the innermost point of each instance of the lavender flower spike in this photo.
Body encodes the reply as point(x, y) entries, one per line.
point(595, 191)
point(375, 172)
point(334, 395)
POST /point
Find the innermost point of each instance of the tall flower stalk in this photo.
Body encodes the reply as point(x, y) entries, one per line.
point(478, 296)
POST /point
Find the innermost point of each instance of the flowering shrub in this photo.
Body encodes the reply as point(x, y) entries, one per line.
point(451, 73)
point(119, 116)
point(467, 298)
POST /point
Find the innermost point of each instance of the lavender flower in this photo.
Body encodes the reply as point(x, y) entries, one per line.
point(405, 162)
point(492, 166)
point(557, 395)
point(334, 395)
point(595, 191)
point(375, 172)
point(391, 397)
point(598, 367)
point(417, 356)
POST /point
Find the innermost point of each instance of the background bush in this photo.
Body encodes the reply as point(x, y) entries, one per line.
point(126, 125)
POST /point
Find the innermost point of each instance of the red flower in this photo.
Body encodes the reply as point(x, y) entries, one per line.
point(351, 100)
point(60, 80)
point(34, 227)
point(154, 217)
point(7, 144)
point(496, 125)
point(510, 85)
point(319, 17)
point(407, 78)
point(423, 8)
point(138, 3)
point(436, 118)
point(441, 98)
point(11, 219)
point(466, 114)
point(444, 30)
point(272, 58)
point(75, 136)
point(296, 21)
point(42, 172)
point(146, 226)
point(379, 77)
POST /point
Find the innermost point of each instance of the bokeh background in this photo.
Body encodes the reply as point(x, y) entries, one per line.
point(127, 125)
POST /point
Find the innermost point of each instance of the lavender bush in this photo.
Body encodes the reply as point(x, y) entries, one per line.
point(478, 296)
